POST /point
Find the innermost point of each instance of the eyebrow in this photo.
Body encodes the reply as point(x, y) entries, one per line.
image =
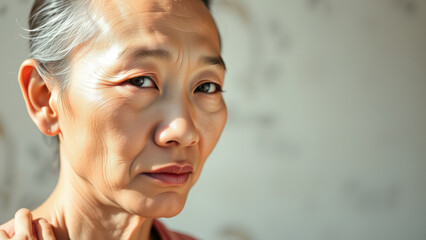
point(214, 61)
point(142, 52)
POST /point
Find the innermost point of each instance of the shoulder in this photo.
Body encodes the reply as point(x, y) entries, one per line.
point(9, 228)
point(166, 234)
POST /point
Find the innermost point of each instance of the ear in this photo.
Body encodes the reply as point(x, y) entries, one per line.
point(38, 98)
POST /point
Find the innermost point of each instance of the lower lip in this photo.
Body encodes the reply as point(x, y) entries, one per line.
point(169, 178)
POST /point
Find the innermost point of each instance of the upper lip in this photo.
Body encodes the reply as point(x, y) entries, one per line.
point(174, 169)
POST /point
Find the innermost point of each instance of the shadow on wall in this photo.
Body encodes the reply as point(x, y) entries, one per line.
point(4, 7)
point(7, 167)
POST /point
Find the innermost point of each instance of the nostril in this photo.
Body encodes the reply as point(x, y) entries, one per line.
point(173, 142)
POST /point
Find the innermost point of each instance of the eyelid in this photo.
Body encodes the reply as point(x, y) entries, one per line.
point(141, 81)
point(136, 75)
point(218, 85)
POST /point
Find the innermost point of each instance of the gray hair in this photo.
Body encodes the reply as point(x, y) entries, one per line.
point(56, 28)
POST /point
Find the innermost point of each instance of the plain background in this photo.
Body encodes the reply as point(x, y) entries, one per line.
point(326, 136)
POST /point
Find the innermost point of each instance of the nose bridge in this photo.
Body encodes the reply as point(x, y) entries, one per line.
point(180, 113)
point(178, 126)
point(177, 101)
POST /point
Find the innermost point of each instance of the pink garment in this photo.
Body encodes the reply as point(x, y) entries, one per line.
point(163, 232)
point(166, 234)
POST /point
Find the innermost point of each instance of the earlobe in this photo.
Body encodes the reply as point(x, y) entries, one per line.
point(38, 98)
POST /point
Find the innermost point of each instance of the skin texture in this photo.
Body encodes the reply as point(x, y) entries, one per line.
point(112, 130)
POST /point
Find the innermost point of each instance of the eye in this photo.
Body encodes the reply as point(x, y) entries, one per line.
point(209, 88)
point(143, 82)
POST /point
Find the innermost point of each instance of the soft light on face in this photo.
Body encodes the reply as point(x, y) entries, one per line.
point(144, 96)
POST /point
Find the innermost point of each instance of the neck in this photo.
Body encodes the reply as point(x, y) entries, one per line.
point(75, 212)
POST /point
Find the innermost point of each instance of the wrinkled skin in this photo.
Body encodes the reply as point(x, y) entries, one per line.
point(143, 95)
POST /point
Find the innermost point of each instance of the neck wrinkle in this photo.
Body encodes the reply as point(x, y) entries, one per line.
point(75, 211)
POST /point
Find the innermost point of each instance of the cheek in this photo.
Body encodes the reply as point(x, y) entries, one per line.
point(83, 138)
point(103, 134)
point(212, 119)
point(127, 128)
point(123, 125)
point(213, 105)
point(210, 128)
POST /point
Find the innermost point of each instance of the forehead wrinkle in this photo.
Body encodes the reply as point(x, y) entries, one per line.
point(159, 24)
point(133, 17)
point(181, 10)
point(136, 14)
point(179, 60)
point(118, 16)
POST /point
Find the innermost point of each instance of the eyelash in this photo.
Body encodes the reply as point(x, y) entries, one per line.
point(140, 83)
point(217, 87)
point(203, 88)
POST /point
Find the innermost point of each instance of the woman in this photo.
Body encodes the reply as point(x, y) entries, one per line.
point(133, 91)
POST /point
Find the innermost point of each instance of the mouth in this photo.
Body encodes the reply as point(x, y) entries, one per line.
point(171, 175)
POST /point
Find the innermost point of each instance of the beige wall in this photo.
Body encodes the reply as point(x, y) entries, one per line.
point(326, 137)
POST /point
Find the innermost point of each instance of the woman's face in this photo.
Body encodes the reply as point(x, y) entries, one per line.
point(145, 96)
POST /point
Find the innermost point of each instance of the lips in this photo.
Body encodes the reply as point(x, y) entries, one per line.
point(172, 174)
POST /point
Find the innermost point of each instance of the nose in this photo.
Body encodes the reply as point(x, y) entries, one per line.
point(180, 132)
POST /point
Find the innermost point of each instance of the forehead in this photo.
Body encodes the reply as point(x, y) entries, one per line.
point(158, 20)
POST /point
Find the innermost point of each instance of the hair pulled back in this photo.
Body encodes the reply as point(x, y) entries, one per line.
point(56, 28)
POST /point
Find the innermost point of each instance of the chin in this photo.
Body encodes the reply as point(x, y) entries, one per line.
point(168, 204)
